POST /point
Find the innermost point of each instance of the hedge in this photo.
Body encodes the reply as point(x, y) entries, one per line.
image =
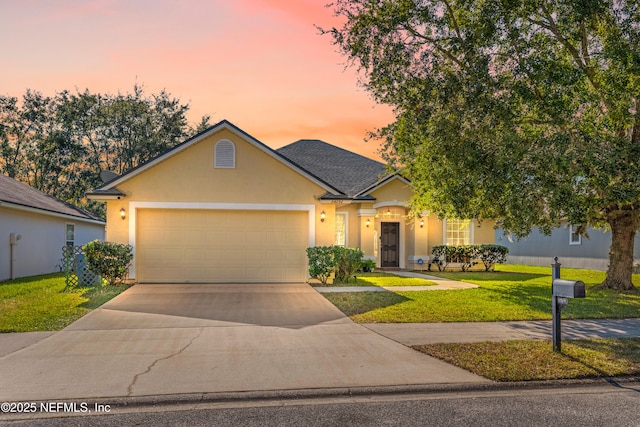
point(469, 255)
point(338, 260)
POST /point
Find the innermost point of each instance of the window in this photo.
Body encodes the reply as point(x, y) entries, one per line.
point(224, 155)
point(574, 236)
point(457, 232)
point(341, 229)
point(70, 234)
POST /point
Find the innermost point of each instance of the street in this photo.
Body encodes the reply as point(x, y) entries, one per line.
point(593, 405)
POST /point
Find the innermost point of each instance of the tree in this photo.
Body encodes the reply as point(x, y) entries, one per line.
point(60, 144)
point(527, 112)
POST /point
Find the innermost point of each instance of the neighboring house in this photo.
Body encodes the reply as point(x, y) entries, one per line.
point(34, 227)
point(573, 250)
point(224, 207)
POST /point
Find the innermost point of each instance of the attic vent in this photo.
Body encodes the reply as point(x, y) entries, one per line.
point(225, 154)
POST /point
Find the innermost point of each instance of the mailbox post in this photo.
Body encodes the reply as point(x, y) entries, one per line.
point(561, 291)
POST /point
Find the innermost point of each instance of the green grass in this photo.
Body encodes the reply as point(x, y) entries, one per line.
point(510, 293)
point(535, 360)
point(382, 279)
point(40, 303)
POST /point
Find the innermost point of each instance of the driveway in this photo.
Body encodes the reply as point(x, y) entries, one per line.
point(173, 339)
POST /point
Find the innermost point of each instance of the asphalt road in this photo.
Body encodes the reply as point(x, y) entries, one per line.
point(601, 405)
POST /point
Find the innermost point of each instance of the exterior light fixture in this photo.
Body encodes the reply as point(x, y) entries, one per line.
point(322, 216)
point(421, 223)
point(388, 212)
point(368, 222)
point(123, 213)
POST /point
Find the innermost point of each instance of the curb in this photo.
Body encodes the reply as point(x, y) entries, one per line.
point(136, 403)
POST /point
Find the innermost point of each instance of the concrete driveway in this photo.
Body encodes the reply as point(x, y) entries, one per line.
point(173, 339)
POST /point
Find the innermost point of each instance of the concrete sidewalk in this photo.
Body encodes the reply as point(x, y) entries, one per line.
point(433, 333)
point(440, 285)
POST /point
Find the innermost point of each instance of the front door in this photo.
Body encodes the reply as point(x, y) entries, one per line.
point(390, 244)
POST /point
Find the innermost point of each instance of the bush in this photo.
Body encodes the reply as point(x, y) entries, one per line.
point(469, 255)
point(490, 255)
point(110, 260)
point(368, 265)
point(325, 260)
point(347, 262)
point(321, 262)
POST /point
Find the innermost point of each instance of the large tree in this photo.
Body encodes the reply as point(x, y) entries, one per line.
point(527, 111)
point(60, 144)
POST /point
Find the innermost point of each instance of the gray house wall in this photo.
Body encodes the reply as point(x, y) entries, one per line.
point(39, 250)
point(540, 249)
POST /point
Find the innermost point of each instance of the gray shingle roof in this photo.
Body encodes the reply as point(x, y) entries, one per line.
point(348, 172)
point(17, 193)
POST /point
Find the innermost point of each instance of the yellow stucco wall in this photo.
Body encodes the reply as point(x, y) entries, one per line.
point(393, 190)
point(189, 176)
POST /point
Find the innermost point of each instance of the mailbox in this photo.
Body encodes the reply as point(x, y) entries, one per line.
point(568, 288)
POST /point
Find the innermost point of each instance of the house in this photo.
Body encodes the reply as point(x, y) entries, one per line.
point(590, 251)
point(224, 207)
point(34, 227)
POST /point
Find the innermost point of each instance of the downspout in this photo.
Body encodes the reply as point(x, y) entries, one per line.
point(13, 240)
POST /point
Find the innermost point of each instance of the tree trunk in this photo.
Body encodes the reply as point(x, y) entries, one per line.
point(623, 231)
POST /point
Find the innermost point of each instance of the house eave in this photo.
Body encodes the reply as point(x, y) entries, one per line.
point(30, 209)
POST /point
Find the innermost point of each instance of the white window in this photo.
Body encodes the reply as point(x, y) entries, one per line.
point(341, 229)
point(224, 154)
point(458, 232)
point(574, 237)
point(70, 234)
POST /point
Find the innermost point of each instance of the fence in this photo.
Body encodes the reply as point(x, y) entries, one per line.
point(76, 270)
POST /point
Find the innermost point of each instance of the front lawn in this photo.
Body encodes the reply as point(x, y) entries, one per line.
point(40, 303)
point(381, 279)
point(535, 360)
point(510, 293)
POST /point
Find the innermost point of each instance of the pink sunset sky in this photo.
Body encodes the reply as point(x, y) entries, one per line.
point(260, 64)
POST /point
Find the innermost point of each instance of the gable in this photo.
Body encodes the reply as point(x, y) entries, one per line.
point(191, 175)
point(185, 176)
point(394, 188)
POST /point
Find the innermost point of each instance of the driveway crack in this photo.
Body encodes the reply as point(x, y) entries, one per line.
point(150, 367)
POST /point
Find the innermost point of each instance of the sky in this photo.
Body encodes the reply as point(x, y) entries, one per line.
point(261, 64)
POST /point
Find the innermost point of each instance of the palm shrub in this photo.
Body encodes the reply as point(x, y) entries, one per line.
point(109, 260)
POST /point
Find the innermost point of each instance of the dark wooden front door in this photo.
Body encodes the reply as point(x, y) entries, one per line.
point(390, 246)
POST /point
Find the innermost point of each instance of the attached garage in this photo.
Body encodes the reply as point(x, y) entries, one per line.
point(221, 246)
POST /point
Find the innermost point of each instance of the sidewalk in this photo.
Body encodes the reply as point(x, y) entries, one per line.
point(434, 333)
point(440, 285)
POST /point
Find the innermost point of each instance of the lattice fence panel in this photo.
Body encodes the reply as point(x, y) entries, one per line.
point(76, 270)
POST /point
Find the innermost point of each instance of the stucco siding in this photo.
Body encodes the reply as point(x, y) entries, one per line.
point(39, 250)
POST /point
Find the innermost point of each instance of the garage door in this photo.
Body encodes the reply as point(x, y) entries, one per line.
point(220, 246)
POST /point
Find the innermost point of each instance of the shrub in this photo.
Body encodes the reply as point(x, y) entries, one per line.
point(321, 262)
point(347, 262)
point(325, 260)
point(368, 265)
point(469, 255)
point(110, 260)
point(490, 255)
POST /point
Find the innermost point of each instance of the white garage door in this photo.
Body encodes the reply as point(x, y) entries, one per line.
point(221, 246)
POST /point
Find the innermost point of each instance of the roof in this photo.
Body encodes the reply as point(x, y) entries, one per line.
point(348, 172)
point(16, 194)
point(109, 188)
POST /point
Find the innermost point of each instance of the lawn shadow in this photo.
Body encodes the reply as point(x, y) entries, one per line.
point(353, 303)
point(626, 350)
point(486, 276)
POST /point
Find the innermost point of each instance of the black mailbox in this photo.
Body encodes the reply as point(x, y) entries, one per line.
point(568, 288)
